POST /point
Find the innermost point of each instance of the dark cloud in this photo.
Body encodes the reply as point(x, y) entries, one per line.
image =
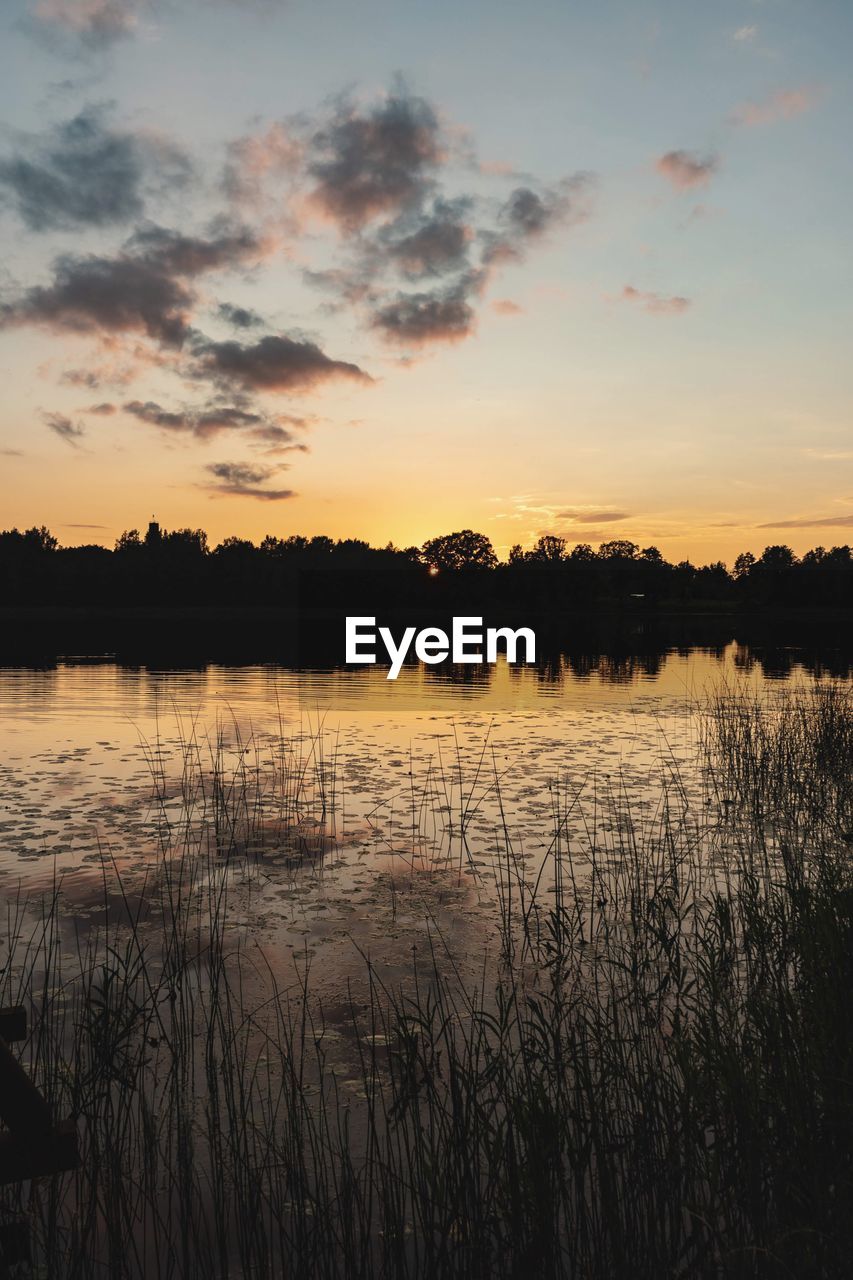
point(437, 239)
point(84, 174)
point(226, 245)
point(375, 162)
point(240, 479)
point(144, 287)
point(209, 420)
point(62, 426)
point(685, 169)
point(530, 214)
point(103, 410)
point(111, 294)
point(527, 215)
point(277, 439)
point(416, 319)
point(239, 317)
point(273, 363)
point(379, 173)
point(436, 244)
point(154, 414)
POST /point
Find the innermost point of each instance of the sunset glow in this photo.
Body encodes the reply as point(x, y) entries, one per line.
point(581, 271)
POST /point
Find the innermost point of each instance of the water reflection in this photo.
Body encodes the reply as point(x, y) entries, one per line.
point(78, 736)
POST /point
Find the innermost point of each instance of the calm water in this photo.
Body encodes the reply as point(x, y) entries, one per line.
point(77, 739)
point(419, 776)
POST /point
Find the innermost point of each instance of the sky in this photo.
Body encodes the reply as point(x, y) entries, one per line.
point(386, 270)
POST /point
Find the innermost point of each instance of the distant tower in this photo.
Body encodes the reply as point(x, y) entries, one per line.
point(153, 534)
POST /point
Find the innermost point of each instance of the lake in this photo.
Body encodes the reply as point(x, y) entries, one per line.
point(79, 739)
point(215, 872)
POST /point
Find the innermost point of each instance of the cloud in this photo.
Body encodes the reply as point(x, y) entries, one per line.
point(365, 163)
point(686, 169)
point(527, 215)
point(273, 363)
point(144, 288)
point(96, 23)
point(103, 410)
point(379, 173)
point(239, 317)
point(415, 319)
point(744, 34)
point(239, 479)
point(278, 439)
point(591, 515)
point(656, 303)
point(226, 245)
point(79, 377)
point(810, 522)
point(62, 426)
point(83, 174)
point(434, 243)
point(785, 104)
point(112, 294)
point(210, 420)
point(252, 159)
point(506, 307)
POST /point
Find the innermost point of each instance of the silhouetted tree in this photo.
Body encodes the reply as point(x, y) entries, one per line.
point(618, 549)
point(550, 548)
point(462, 550)
point(743, 564)
point(129, 541)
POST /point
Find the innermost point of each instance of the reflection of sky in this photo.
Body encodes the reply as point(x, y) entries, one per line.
point(76, 742)
point(689, 426)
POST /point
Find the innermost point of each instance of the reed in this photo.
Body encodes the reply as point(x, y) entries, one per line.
point(651, 1077)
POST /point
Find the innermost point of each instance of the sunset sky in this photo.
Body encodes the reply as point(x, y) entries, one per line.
point(386, 270)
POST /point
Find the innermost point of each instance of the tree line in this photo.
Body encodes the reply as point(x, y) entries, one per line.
point(455, 571)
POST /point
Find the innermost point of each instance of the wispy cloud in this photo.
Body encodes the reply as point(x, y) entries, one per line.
point(809, 522)
point(211, 420)
point(655, 303)
point(591, 515)
point(785, 104)
point(239, 479)
point(96, 23)
point(61, 425)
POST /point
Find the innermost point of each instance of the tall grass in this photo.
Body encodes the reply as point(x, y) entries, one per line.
point(652, 1077)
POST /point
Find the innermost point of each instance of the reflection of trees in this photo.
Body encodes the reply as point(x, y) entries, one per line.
point(470, 675)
